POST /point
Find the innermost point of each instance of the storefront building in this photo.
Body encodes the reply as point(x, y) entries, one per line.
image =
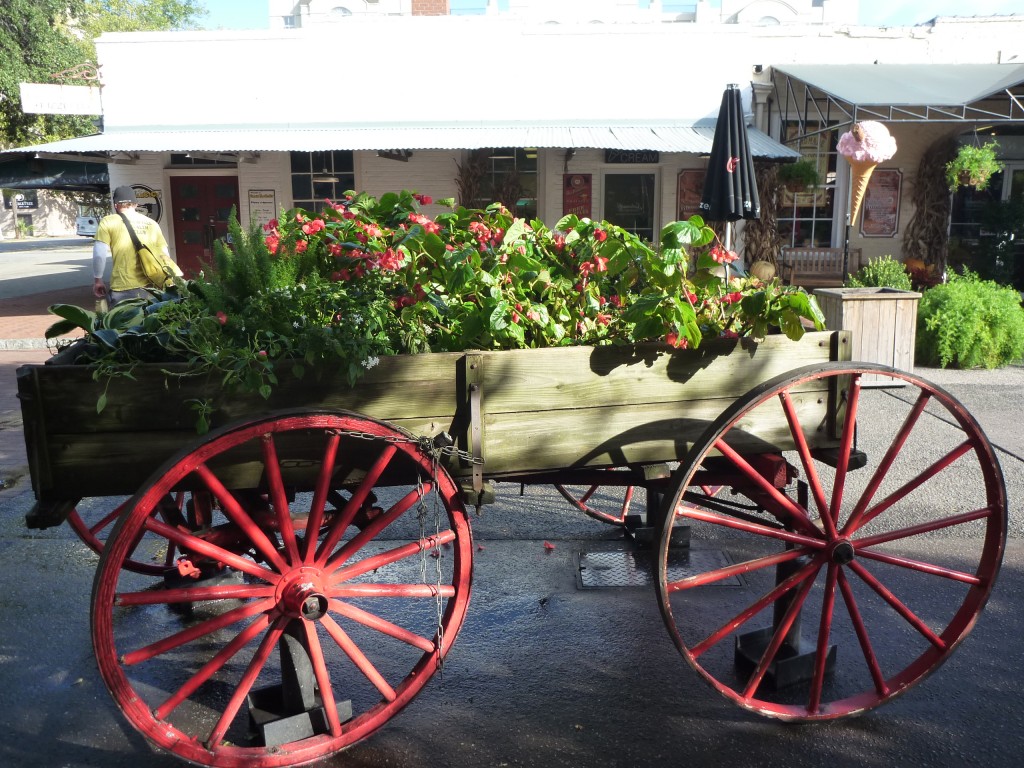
point(612, 121)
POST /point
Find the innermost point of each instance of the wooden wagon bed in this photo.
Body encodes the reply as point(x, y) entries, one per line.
point(520, 411)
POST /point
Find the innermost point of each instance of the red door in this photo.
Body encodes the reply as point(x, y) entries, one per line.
point(201, 206)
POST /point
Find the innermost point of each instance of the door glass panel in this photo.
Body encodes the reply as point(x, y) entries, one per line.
point(188, 191)
point(223, 191)
point(189, 214)
point(192, 237)
point(629, 202)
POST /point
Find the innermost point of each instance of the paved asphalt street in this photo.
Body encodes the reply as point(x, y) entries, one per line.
point(544, 673)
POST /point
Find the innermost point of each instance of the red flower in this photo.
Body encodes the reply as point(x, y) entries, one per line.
point(732, 298)
point(301, 246)
point(603, 319)
point(272, 241)
point(677, 341)
point(722, 256)
point(390, 261)
point(271, 225)
point(222, 318)
point(313, 226)
point(423, 199)
point(335, 250)
point(600, 264)
point(600, 235)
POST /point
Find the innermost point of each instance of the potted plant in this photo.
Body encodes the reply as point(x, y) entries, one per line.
point(798, 176)
point(973, 166)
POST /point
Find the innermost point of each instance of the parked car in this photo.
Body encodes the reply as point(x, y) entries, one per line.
point(85, 225)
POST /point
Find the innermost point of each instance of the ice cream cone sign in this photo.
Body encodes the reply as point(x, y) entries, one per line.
point(864, 146)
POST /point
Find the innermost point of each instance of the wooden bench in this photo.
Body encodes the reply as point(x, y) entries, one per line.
point(817, 267)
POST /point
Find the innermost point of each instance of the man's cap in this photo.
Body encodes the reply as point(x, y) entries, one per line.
point(124, 194)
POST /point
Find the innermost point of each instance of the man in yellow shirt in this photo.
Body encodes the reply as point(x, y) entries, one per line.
point(113, 241)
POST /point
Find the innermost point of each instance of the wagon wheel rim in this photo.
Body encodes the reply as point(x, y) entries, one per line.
point(93, 529)
point(828, 608)
point(373, 601)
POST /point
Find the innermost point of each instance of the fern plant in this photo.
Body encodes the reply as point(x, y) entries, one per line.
point(883, 272)
point(970, 323)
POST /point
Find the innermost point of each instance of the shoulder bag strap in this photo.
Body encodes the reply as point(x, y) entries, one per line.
point(131, 232)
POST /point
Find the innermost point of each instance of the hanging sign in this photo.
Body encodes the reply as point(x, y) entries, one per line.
point(49, 99)
point(880, 211)
point(577, 194)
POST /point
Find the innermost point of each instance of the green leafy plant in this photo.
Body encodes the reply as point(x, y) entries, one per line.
point(969, 323)
point(799, 175)
point(367, 277)
point(882, 272)
point(973, 166)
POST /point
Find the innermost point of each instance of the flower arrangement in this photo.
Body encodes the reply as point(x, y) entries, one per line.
point(367, 277)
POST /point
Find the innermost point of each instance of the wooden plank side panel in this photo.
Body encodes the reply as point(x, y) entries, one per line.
point(634, 434)
point(399, 387)
point(74, 459)
point(581, 377)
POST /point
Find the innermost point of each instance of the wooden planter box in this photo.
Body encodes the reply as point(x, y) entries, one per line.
point(532, 410)
point(883, 322)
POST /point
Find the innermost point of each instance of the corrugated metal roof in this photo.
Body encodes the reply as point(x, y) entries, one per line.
point(909, 84)
point(689, 137)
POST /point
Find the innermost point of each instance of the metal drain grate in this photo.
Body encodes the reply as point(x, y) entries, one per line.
point(634, 568)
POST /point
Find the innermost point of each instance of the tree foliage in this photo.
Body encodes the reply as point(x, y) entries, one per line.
point(42, 38)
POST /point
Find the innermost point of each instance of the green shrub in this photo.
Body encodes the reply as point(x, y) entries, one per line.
point(970, 323)
point(883, 272)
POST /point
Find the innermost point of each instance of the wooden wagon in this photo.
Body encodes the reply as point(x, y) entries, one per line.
point(277, 589)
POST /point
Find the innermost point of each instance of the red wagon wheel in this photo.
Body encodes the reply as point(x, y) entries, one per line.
point(93, 528)
point(310, 627)
point(835, 599)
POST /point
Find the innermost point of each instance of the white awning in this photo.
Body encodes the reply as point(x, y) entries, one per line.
point(845, 93)
point(694, 137)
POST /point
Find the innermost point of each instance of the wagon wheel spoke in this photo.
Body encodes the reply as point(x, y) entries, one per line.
point(753, 606)
point(608, 507)
point(331, 623)
point(94, 534)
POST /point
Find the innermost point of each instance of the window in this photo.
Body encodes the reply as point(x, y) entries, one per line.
point(629, 202)
point(321, 176)
point(806, 218)
point(509, 174)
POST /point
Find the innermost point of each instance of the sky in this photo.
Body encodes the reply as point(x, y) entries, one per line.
point(252, 14)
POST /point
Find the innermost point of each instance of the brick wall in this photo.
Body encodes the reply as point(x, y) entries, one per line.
point(429, 7)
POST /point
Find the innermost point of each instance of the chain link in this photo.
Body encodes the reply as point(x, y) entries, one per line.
point(426, 444)
point(435, 449)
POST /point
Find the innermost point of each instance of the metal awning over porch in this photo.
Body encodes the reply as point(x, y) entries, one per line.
point(20, 172)
point(840, 95)
point(694, 137)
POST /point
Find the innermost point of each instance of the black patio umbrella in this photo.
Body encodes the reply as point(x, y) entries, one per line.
point(730, 186)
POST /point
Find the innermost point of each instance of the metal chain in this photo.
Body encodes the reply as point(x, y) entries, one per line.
point(435, 449)
point(426, 444)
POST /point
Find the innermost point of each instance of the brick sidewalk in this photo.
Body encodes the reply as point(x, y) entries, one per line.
point(24, 319)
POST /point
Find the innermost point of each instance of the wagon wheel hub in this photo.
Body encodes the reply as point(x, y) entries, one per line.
point(301, 595)
point(843, 552)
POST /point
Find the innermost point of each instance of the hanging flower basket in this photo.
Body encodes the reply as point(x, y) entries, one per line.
point(973, 166)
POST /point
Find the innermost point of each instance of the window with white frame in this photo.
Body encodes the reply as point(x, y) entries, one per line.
point(807, 218)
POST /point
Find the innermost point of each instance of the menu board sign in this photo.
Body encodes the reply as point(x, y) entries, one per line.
point(689, 191)
point(880, 211)
point(577, 194)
